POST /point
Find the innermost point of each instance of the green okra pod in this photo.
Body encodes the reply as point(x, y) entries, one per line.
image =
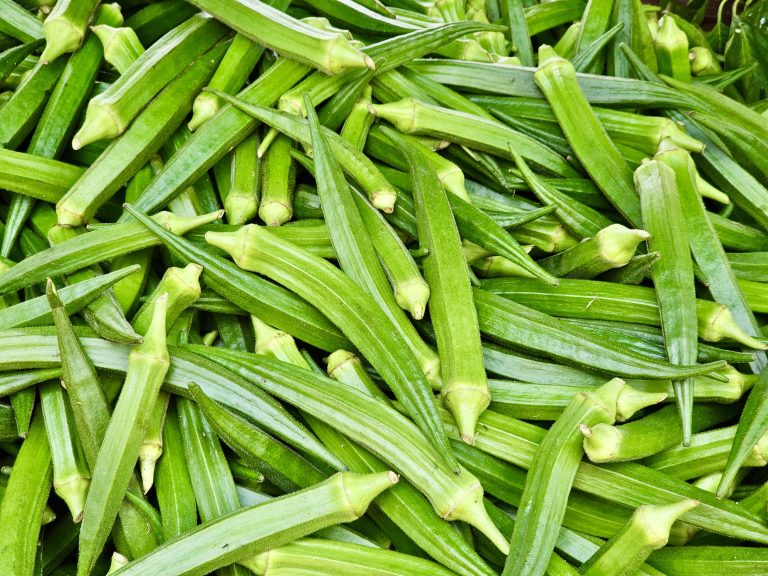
point(278, 178)
point(672, 275)
point(355, 249)
point(671, 46)
point(71, 476)
point(66, 26)
point(465, 387)
point(122, 46)
point(612, 247)
point(109, 113)
point(358, 122)
point(148, 363)
point(342, 498)
point(646, 531)
point(550, 478)
point(254, 248)
point(242, 200)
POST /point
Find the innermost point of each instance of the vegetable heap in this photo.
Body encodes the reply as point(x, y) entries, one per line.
point(383, 287)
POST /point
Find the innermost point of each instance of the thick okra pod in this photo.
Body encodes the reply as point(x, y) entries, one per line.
point(122, 46)
point(278, 178)
point(671, 46)
point(672, 275)
point(148, 363)
point(66, 26)
point(465, 387)
point(646, 531)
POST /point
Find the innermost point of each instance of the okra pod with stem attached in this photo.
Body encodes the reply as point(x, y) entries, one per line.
point(342, 498)
point(278, 178)
point(355, 249)
point(349, 306)
point(465, 388)
point(648, 435)
point(612, 247)
point(453, 496)
point(121, 46)
point(646, 531)
point(550, 478)
point(672, 274)
point(109, 113)
point(148, 363)
point(513, 323)
point(556, 78)
point(270, 27)
point(125, 156)
point(66, 26)
point(671, 46)
point(413, 117)
point(358, 122)
point(345, 367)
point(71, 476)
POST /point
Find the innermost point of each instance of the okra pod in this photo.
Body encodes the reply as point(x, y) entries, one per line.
point(465, 388)
point(671, 46)
point(122, 46)
point(278, 178)
point(646, 531)
point(66, 26)
point(148, 363)
point(242, 200)
point(109, 113)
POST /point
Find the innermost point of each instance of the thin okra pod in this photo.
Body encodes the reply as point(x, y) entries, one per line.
point(342, 498)
point(465, 388)
point(594, 23)
point(148, 363)
point(278, 178)
point(242, 200)
point(358, 122)
point(152, 446)
point(556, 78)
point(550, 478)
point(646, 531)
point(71, 476)
point(24, 501)
point(672, 275)
point(349, 306)
point(355, 249)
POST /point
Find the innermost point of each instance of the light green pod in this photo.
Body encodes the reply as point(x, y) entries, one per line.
point(66, 26)
point(278, 178)
point(121, 46)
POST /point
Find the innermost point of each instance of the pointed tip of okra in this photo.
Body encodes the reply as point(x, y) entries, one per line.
point(413, 296)
point(180, 225)
point(205, 107)
point(618, 244)
point(466, 403)
point(471, 510)
point(54, 301)
point(73, 492)
point(148, 456)
point(657, 520)
point(360, 489)
point(61, 37)
point(275, 213)
point(717, 323)
point(100, 123)
point(631, 400)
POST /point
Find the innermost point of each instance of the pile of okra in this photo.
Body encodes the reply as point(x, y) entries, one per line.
point(383, 288)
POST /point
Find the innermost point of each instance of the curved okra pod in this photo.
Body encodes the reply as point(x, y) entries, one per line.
point(673, 277)
point(147, 364)
point(646, 531)
point(355, 249)
point(556, 78)
point(109, 113)
point(270, 27)
point(519, 325)
point(342, 498)
point(66, 26)
point(648, 435)
point(350, 307)
point(315, 557)
point(612, 247)
point(465, 387)
point(453, 496)
point(550, 478)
